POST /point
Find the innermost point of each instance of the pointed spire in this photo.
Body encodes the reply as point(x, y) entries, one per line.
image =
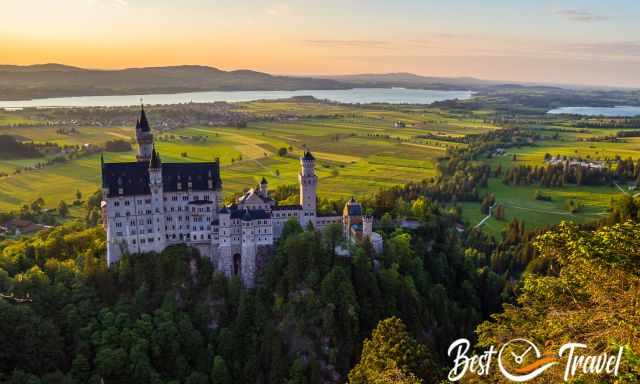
point(155, 159)
point(264, 181)
point(143, 123)
point(308, 155)
point(101, 159)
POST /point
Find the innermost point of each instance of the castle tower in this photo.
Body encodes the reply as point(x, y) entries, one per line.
point(264, 191)
point(144, 137)
point(225, 256)
point(351, 215)
point(157, 200)
point(248, 250)
point(367, 226)
point(308, 186)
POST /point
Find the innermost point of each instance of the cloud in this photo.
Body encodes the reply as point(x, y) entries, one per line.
point(581, 15)
point(349, 43)
point(452, 36)
point(108, 3)
point(279, 9)
point(610, 48)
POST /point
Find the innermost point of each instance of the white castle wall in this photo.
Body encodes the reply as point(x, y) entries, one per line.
point(151, 222)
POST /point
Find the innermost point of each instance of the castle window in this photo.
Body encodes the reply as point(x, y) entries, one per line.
point(179, 186)
point(120, 191)
point(133, 241)
point(126, 203)
point(190, 185)
point(147, 201)
point(117, 203)
point(174, 198)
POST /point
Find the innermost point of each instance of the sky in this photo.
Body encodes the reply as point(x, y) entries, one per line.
point(571, 42)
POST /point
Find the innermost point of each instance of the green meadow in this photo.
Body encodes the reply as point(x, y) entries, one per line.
point(519, 203)
point(358, 150)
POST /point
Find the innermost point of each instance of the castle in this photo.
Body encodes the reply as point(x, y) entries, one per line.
point(148, 205)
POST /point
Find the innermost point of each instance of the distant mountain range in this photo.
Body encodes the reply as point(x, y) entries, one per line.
point(57, 80)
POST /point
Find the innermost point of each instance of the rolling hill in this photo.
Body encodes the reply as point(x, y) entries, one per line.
point(56, 80)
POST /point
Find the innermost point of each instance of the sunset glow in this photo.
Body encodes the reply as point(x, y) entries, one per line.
point(582, 42)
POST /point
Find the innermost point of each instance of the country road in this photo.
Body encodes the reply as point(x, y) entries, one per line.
point(487, 217)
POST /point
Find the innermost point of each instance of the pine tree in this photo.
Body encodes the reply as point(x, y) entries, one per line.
point(391, 351)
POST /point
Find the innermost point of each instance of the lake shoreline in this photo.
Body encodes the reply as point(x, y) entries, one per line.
point(606, 111)
point(347, 96)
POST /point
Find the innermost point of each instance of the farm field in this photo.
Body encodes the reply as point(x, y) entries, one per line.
point(519, 203)
point(357, 153)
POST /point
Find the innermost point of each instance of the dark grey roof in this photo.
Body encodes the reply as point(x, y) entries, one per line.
point(328, 215)
point(249, 214)
point(143, 123)
point(354, 210)
point(133, 177)
point(198, 174)
point(200, 202)
point(286, 207)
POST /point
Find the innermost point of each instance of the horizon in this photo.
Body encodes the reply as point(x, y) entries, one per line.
point(338, 75)
point(568, 42)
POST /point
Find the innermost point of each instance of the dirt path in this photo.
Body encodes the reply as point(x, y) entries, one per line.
point(481, 223)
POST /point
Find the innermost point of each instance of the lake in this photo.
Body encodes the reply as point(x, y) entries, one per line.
point(619, 111)
point(350, 96)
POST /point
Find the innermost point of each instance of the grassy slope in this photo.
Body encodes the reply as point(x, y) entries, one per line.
point(519, 203)
point(518, 200)
point(363, 162)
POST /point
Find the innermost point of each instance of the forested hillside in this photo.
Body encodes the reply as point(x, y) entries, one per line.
point(12, 149)
point(170, 317)
point(54, 80)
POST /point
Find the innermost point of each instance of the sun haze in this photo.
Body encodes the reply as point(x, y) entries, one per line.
point(584, 42)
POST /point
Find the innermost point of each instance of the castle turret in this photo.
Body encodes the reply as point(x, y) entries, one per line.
point(308, 186)
point(367, 226)
point(351, 216)
point(157, 198)
point(144, 137)
point(264, 191)
point(225, 257)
